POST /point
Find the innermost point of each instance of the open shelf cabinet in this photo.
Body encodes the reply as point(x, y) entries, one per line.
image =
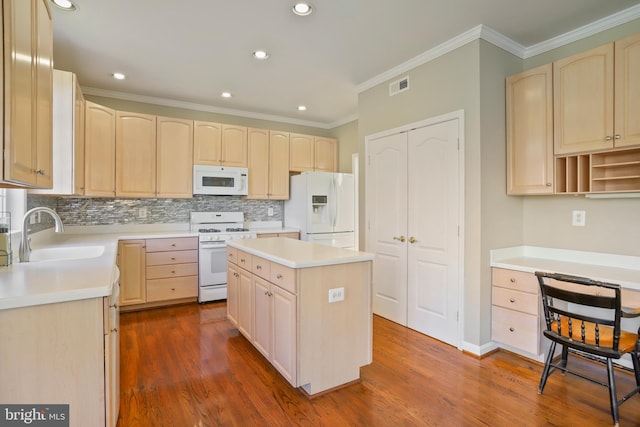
point(613, 171)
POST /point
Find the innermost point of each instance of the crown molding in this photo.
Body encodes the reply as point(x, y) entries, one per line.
point(595, 27)
point(198, 107)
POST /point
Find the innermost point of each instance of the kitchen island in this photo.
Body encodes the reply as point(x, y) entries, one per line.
point(305, 307)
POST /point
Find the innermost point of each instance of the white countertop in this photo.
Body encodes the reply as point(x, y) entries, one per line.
point(621, 269)
point(45, 282)
point(297, 253)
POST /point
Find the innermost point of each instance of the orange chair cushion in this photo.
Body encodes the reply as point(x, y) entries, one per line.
point(627, 343)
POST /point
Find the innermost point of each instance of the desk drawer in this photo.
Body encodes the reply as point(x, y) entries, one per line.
point(174, 270)
point(516, 329)
point(513, 279)
point(172, 257)
point(515, 300)
point(174, 288)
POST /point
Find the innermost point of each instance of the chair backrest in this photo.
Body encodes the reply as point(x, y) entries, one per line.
point(582, 313)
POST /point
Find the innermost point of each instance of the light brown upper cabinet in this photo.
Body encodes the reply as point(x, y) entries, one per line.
point(100, 150)
point(68, 136)
point(588, 114)
point(219, 144)
point(174, 157)
point(268, 160)
point(325, 154)
point(28, 70)
point(627, 92)
point(309, 153)
point(529, 98)
point(135, 155)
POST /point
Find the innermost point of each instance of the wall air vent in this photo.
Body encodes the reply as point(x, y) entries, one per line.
point(399, 86)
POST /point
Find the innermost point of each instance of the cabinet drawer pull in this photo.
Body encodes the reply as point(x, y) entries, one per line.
point(173, 258)
point(114, 330)
point(512, 300)
point(258, 267)
point(173, 272)
point(511, 329)
point(173, 245)
point(279, 276)
point(173, 289)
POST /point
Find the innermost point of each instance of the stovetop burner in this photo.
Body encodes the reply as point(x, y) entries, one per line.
point(208, 230)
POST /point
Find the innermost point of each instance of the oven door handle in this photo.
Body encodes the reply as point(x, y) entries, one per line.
point(212, 245)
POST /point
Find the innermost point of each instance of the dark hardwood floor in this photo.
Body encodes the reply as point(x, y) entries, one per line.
point(188, 366)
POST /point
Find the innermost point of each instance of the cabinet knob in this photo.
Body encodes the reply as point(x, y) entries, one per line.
point(114, 330)
point(412, 239)
point(512, 280)
point(618, 137)
point(279, 276)
point(548, 184)
point(608, 138)
point(173, 272)
point(401, 238)
point(258, 267)
point(173, 289)
point(173, 245)
point(512, 300)
point(511, 329)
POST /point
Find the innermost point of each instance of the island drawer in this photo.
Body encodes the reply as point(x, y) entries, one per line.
point(519, 280)
point(244, 260)
point(172, 244)
point(261, 267)
point(173, 288)
point(172, 257)
point(284, 277)
point(515, 300)
point(516, 329)
point(173, 270)
point(232, 255)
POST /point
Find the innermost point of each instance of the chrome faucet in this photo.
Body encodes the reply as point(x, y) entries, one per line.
point(25, 240)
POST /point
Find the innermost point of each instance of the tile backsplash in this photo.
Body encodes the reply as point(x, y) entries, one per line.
point(111, 211)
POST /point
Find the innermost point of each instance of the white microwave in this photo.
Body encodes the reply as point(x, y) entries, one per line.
point(220, 180)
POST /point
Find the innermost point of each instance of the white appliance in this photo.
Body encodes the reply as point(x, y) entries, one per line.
point(220, 180)
point(322, 206)
point(214, 229)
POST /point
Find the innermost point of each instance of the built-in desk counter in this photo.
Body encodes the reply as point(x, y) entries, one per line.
point(517, 319)
point(304, 306)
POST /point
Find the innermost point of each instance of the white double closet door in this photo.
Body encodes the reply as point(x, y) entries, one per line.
point(413, 210)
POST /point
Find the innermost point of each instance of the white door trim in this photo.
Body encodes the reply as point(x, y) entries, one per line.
point(459, 114)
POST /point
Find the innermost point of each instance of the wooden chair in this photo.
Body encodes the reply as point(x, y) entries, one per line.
point(584, 315)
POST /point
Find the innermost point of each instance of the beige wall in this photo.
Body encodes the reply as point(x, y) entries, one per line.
point(347, 135)
point(470, 78)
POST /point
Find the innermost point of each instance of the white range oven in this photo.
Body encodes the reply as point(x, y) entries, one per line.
point(214, 229)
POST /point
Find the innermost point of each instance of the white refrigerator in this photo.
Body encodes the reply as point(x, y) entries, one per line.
point(322, 206)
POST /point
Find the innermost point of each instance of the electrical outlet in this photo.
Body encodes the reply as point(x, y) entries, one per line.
point(269, 211)
point(142, 213)
point(336, 294)
point(579, 218)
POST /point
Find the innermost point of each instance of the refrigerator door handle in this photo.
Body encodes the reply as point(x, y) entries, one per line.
point(334, 214)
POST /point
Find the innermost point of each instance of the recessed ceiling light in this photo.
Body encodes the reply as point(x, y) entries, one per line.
point(260, 54)
point(302, 9)
point(302, 108)
point(64, 4)
point(226, 94)
point(118, 76)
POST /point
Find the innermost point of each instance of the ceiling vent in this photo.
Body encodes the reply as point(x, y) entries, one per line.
point(399, 86)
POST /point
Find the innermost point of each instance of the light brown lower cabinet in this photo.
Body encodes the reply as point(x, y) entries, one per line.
point(65, 352)
point(290, 235)
point(516, 318)
point(285, 313)
point(156, 272)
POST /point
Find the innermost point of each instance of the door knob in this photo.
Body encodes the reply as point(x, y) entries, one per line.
point(401, 238)
point(412, 239)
